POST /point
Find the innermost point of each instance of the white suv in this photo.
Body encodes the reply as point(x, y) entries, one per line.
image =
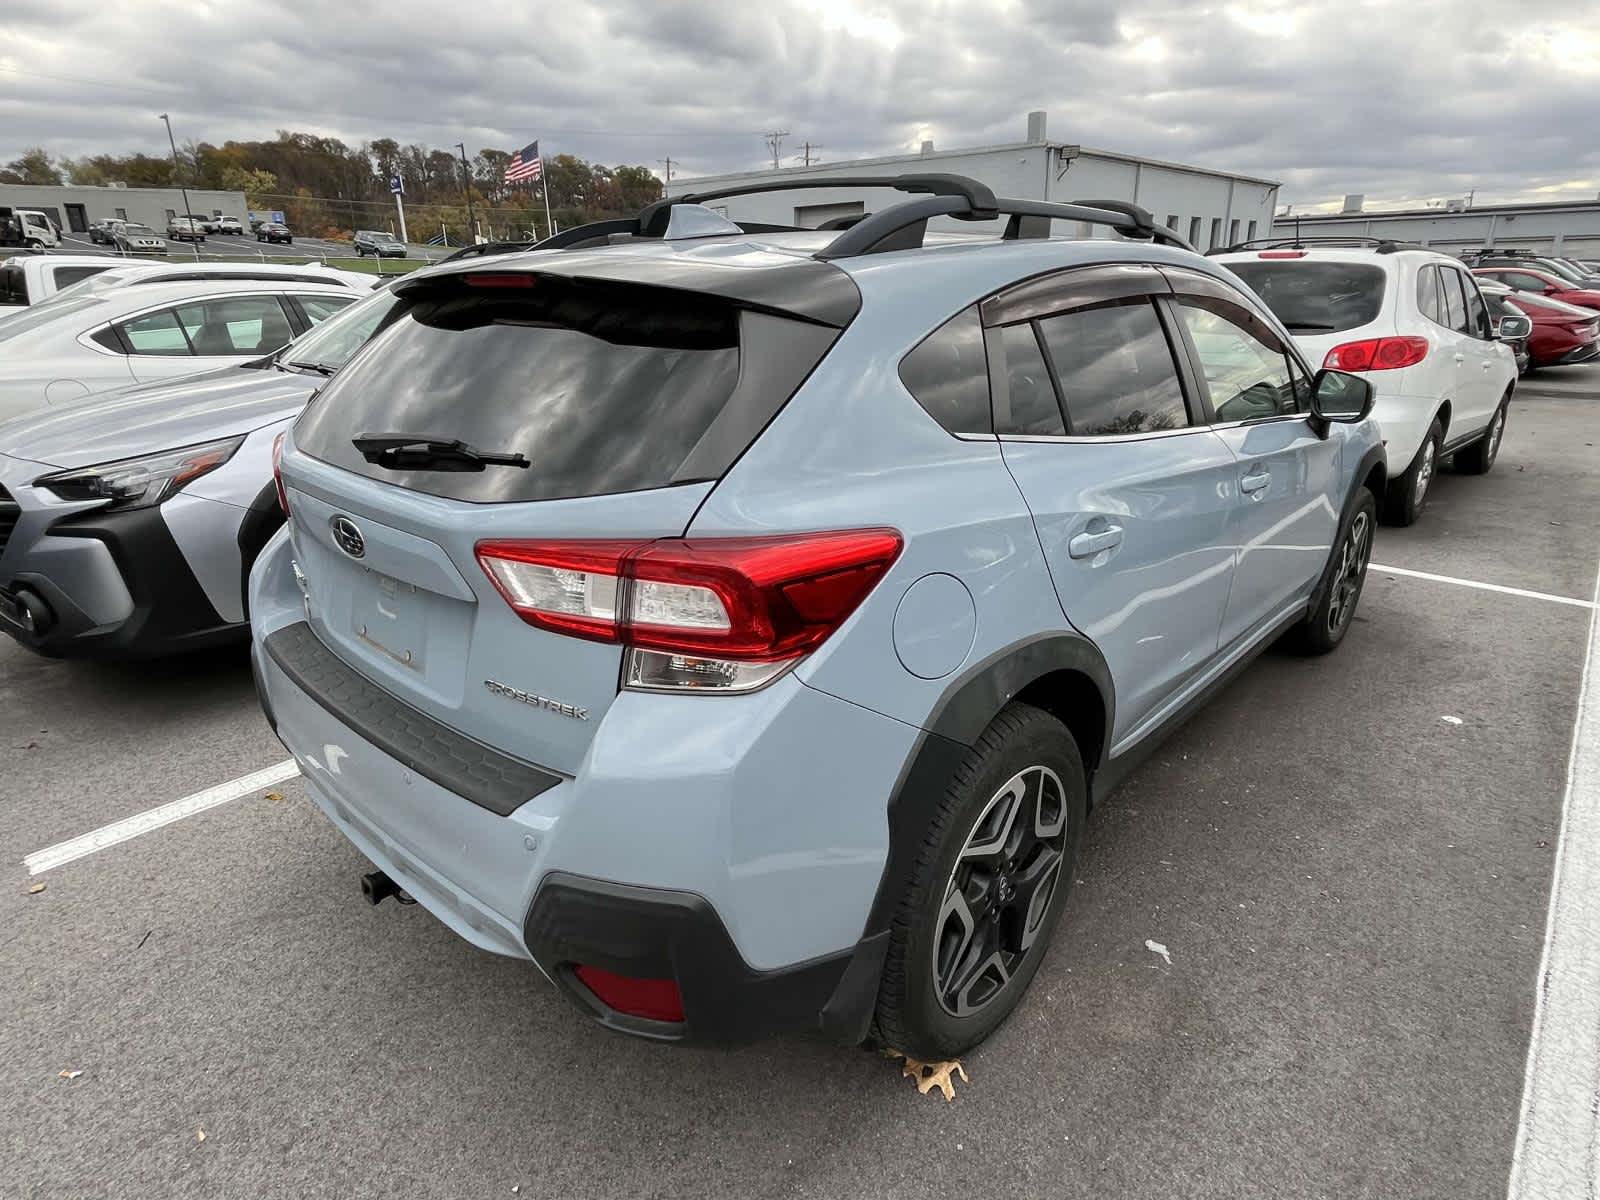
point(1414, 322)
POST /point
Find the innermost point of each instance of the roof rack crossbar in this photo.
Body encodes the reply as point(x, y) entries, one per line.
point(901, 227)
point(653, 217)
point(1382, 244)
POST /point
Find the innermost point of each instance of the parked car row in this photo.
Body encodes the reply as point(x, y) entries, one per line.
point(560, 563)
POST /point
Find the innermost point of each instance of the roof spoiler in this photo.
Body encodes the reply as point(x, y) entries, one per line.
point(898, 227)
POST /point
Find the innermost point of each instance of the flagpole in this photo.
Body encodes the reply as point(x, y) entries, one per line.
point(544, 181)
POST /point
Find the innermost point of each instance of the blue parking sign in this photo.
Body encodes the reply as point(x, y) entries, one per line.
point(397, 185)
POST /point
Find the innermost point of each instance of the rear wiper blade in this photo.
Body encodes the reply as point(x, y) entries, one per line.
point(427, 452)
point(1291, 326)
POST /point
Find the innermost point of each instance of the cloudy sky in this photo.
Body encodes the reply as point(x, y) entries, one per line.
point(1405, 101)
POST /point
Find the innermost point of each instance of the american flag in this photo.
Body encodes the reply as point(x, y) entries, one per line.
point(525, 166)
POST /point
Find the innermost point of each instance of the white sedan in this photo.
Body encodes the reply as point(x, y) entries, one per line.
point(78, 345)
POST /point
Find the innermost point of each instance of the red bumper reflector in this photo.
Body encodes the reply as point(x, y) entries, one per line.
point(652, 999)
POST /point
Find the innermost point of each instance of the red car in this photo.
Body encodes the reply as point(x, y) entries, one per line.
point(1562, 333)
point(1539, 282)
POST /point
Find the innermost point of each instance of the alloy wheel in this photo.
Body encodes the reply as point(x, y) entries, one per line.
point(1496, 430)
point(1424, 473)
point(999, 890)
point(1352, 570)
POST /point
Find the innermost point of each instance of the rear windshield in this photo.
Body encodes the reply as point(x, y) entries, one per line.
point(1315, 297)
point(604, 388)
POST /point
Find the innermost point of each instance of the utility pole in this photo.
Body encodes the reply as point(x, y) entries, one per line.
point(466, 187)
point(668, 163)
point(807, 156)
point(171, 141)
point(774, 139)
point(1470, 196)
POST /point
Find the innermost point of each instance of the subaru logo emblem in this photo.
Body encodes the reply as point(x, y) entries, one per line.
point(347, 534)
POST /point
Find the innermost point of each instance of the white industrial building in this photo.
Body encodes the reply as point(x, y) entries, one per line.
point(1565, 227)
point(1209, 207)
point(74, 208)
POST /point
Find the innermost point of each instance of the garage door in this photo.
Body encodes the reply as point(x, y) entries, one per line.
point(812, 216)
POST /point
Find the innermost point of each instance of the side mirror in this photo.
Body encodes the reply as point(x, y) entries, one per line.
point(1339, 397)
point(1510, 328)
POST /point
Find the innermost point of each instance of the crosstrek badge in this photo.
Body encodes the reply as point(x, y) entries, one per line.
point(555, 706)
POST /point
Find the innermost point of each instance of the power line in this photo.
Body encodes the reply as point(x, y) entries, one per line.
point(774, 139)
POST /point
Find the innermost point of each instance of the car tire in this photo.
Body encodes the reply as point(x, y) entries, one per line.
point(986, 890)
point(1407, 493)
point(1478, 458)
point(1339, 592)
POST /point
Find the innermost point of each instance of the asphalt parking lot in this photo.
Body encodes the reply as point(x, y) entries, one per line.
point(1348, 860)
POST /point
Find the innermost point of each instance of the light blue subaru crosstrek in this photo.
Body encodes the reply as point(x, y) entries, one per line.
point(740, 622)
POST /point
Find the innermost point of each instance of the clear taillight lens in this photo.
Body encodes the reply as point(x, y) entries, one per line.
point(697, 614)
point(566, 587)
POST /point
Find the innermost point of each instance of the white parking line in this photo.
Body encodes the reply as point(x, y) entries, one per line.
point(1486, 587)
point(1559, 1130)
point(131, 827)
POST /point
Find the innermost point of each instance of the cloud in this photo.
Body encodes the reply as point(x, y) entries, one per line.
point(1405, 102)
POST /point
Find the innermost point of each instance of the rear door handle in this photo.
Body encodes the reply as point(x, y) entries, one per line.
point(1253, 483)
point(1460, 358)
point(1087, 545)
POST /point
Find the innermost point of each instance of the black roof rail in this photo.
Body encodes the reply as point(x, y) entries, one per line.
point(1381, 245)
point(902, 227)
point(899, 227)
point(979, 198)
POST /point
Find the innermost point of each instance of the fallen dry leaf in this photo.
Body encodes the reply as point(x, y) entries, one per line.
point(69, 1074)
point(274, 796)
point(36, 889)
point(199, 1135)
point(933, 1075)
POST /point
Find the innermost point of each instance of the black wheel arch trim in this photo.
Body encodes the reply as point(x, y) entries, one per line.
point(959, 718)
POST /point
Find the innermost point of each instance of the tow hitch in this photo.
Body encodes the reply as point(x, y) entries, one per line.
point(378, 887)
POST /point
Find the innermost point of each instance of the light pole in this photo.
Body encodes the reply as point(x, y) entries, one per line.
point(173, 143)
point(466, 187)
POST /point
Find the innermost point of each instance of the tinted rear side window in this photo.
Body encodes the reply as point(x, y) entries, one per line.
point(948, 373)
point(1315, 297)
point(1116, 370)
point(1033, 408)
point(604, 388)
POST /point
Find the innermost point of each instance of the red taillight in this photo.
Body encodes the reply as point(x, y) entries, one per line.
point(652, 999)
point(1282, 254)
point(697, 607)
point(1377, 354)
point(277, 472)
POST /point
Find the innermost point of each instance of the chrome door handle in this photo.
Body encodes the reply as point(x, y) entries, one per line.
point(1087, 545)
point(1251, 484)
point(1460, 358)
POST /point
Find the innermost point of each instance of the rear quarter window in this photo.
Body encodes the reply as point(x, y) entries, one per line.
point(605, 388)
point(1316, 297)
point(948, 373)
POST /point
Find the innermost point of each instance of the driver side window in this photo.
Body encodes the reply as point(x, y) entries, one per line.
point(1247, 369)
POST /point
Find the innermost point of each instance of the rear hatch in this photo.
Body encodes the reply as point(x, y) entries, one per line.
point(626, 402)
point(1323, 302)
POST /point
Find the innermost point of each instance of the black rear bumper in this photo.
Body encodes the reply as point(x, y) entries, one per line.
point(654, 933)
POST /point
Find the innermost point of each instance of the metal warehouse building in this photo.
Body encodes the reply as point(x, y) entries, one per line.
point(1209, 207)
point(74, 208)
point(1569, 228)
